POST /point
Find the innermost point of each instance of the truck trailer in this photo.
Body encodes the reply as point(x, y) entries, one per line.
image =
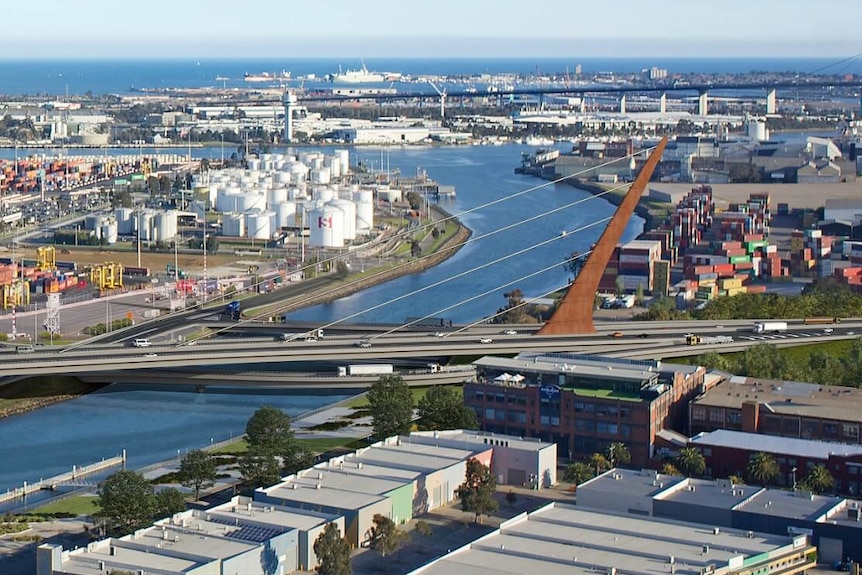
point(693, 339)
point(366, 369)
point(769, 327)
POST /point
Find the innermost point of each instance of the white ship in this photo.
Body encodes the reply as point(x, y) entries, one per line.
point(362, 76)
point(267, 77)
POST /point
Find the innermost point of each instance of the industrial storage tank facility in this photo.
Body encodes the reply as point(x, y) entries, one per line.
point(233, 225)
point(257, 225)
point(125, 221)
point(364, 210)
point(326, 226)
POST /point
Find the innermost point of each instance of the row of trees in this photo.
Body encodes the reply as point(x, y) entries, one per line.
point(581, 471)
point(391, 406)
point(767, 361)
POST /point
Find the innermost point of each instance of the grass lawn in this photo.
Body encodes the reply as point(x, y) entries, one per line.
point(314, 444)
point(797, 354)
point(607, 394)
point(361, 402)
point(82, 505)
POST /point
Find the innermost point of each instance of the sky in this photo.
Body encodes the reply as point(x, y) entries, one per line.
point(429, 28)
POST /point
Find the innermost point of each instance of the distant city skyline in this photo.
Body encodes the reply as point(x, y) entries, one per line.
point(442, 28)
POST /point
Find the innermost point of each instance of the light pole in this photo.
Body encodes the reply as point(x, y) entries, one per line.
point(793, 478)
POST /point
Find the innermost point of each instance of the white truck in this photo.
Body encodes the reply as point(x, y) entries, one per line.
point(769, 327)
point(692, 339)
point(367, 369)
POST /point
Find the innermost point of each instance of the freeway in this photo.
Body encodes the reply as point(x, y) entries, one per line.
point(654, 340)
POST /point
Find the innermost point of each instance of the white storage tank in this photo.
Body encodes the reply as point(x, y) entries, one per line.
point(199, 209)
point(253, 165)
point(108, 232)
point(364, 211)
point(251, 201)
point(227, 199)
point(349, 209)
point(257, 225)
point(298, 172)
point(326, 227)
point(94, 222)
point(333, 165)
point(282, 177)
point(320, 176)
point(165, 226)
point(344, 159)
point(233, 225)
point(323, 194)
point(125, 221)
point(285, 214)
point(144, 225)
point(275, 196)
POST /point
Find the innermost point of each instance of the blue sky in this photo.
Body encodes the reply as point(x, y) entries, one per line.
point(446, 28)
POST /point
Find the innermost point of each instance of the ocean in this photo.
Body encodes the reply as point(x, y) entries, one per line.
point(99, 77)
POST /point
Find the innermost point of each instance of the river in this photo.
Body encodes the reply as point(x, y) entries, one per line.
point(154, 424)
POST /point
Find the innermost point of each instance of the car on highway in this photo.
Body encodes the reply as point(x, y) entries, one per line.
point(643, 335)
point(141, 342)
point(616, 334)
point(828, 330)
point(151, 355)
point(510, 332)
point(310, 339)
point(486, 340)
point(365, 344)
point(439, 334)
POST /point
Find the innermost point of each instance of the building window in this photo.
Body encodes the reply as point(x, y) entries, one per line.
point(734, 417)
point(850, 431)
point(625, 430)
point(489, 414)
point(716, 416)
point(579, 406)
point(830, 430)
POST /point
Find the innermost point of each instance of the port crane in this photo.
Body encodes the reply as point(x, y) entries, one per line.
point(442, 95)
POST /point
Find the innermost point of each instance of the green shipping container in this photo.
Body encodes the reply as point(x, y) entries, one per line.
point(740, 259)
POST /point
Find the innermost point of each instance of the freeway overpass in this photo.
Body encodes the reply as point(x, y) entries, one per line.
point(267, 362)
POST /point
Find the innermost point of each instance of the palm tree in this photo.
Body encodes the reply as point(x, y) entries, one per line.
point(818, 480)
point(599, 462)
point(762, 468)
point(577, 473)
point(690, 461)
point(618, 454)
point(670, 469)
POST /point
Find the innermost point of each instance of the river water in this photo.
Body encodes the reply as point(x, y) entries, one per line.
point(157, 424)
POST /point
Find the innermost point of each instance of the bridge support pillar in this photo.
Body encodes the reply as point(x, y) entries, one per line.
point(575, 312)
point(771, 102)
point(703, 104)
point(623, 104)
point(662, 103)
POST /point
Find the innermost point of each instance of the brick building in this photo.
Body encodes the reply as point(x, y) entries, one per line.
point(583, 403)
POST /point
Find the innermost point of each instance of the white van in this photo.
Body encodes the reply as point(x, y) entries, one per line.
point(141, 342)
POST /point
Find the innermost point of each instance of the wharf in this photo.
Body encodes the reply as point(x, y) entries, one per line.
point(70, 478)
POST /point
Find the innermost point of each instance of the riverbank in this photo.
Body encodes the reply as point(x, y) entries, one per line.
point(34, 393)
point(652, 211)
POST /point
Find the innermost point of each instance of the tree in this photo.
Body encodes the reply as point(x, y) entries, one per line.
point(578, 472)
point(341, 269)
point(391, 406)
point(690, 461)
point(599, 462)
point(423, 530)
point(618, 454)
point(268, 434)
point(762, 468)
point(259, 469)
point(818, 480)
point(670, 469)
point(168, 502)
point(574, 262)
point(127, 501)
point(477, 491)
point(443, 408)
point(333, 552)
point(198, 471)
point(385, 537)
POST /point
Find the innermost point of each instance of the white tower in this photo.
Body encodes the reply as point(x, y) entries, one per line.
point(289, 100)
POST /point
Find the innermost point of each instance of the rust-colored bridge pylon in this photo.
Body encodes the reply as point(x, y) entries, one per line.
point(575, 312)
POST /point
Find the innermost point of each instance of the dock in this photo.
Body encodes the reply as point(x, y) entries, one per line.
point(73, 478)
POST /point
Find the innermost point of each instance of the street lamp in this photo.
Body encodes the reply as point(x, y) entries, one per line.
point(793, 478)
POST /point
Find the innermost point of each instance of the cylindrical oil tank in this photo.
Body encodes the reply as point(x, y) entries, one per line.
point(281, 177)
point(349, 209)
point(326, 227)
point(144, 225)
point(323, 193)
point(125, 221)
point(315, 162)
point(364, 211)
point(257, 225)
point(253, 164)
point(275, 196)
point(298, 192)
point(233, 225)
point(333, 165)
point(285, 214)
point(320, 176)
point(94, 221)
point(298, 172)
point(199, 209)
point(109, 232)
point(344, 159)
point(165, 226)
point(227, 199)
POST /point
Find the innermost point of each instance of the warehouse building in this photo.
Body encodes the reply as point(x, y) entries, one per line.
point(560, 539)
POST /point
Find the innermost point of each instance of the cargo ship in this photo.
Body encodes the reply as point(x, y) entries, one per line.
point(362, 76)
